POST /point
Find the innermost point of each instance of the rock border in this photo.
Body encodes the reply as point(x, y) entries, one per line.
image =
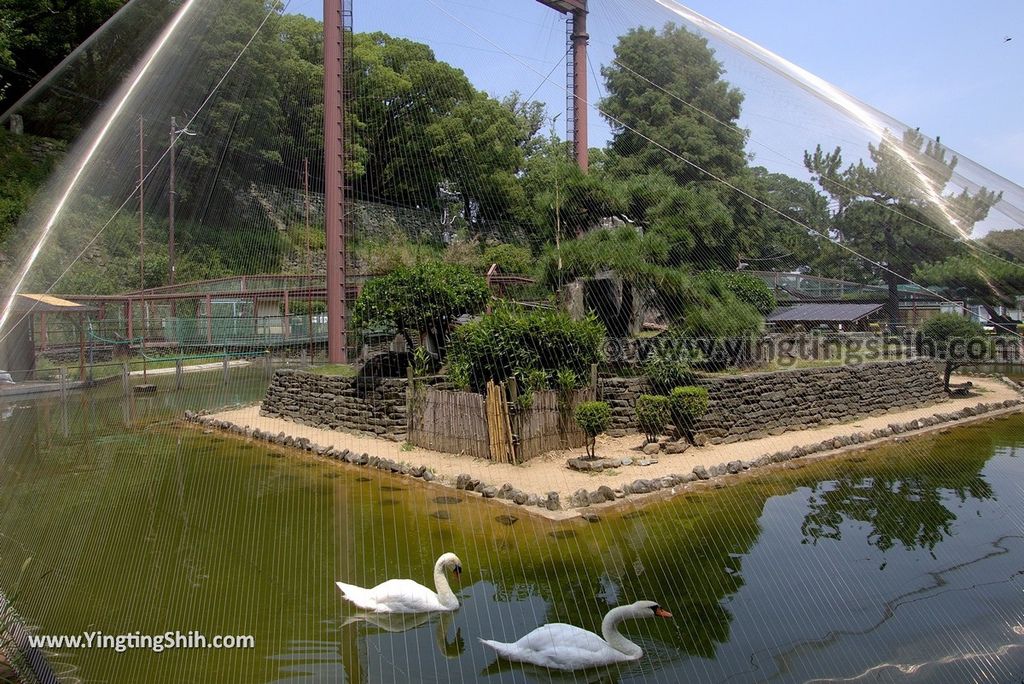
point(583, 498)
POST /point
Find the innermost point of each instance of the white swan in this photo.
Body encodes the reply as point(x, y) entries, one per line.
point(406, 596)
point(564, 647)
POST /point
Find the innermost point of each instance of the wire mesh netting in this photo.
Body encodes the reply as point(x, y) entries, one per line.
point(660, 357)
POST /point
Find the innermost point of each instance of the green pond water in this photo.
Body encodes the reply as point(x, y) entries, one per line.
point(901, 564)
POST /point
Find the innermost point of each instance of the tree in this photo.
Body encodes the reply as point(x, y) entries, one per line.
point(954, 339)
point(894, 212)
point(668, 87)
point(981, 277)
point(652, 415)
point(1008, 243)
point(687, 405)
point(426, 298)
point(37, 34)
point(593, 417)
point(478, 148)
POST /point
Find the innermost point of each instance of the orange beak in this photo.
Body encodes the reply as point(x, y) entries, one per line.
point(662, 613)
point(457, 571)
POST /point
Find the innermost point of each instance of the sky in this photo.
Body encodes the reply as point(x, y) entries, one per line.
point(939, 65)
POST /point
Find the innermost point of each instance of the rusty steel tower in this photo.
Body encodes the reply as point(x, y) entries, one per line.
point(576, 72)
point(337, 193)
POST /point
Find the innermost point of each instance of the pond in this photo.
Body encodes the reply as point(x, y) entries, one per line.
point(899, 564)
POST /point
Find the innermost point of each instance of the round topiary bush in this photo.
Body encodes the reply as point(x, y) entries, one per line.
point(687, 405)
point(652, 414)
point(593, 417)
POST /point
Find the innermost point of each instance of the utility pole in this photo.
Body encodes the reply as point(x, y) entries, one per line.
point(170, 214)
point(142, 246)
point(142, 210)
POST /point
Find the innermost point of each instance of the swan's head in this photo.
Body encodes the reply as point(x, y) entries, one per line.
point(648, 609)
point(450, 561)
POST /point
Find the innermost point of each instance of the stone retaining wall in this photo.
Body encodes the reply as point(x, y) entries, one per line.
point(375, 406)
point(755, 405)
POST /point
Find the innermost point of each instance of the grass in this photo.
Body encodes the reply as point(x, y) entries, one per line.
point(342, 370)
point(46, 369)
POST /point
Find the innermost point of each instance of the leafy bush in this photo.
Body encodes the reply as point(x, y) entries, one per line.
point(668, 369)
point(955, 339)
point(687, 405)
point(512, 342)
point(748, 289)
point(426, 297)
point(652, 414)
point(301, 308)
point(510, 258)
point(721, 316)
point(593, 417)
point(566, 380)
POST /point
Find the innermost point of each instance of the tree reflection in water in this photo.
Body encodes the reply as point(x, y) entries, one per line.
point(906, 500)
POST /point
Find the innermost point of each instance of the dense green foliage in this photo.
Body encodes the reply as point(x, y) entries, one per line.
point(593, 417)
point(422, 298)
point(21, 174)
point(680, 88)
point(954, 339)
point(511, 342)
point(988, 278)
point(686, 406)
point(652, 414)
point(668, 369)
point(747, 288)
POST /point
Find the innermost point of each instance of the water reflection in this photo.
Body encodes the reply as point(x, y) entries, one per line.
point(136, 524)
point(904, 501)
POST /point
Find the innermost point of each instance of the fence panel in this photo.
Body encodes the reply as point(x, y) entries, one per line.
point(452, 422)
point(548, 423)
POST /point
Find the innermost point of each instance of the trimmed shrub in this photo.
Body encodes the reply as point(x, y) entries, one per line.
point(593, 417)
point(667, 370)
point(687, 405)
point(425, 297)
point(652, 414)
point(512, 342)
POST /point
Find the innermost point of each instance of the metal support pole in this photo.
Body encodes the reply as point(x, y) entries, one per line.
point(170, 214)
point(334, 178)
point(579, 59)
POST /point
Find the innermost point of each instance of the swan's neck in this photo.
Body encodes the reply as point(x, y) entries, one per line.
point(444, 592)
point(610, 632)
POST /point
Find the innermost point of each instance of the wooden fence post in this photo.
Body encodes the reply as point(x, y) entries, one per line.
point(178, 374)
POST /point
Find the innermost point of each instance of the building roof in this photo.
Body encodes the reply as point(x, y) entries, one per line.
point(838, 313)
point(42, 303)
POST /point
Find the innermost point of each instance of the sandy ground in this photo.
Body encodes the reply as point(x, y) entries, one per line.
point(549, 472)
